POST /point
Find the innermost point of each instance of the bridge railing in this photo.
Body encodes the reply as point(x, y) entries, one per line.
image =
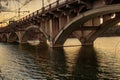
point(55, 4)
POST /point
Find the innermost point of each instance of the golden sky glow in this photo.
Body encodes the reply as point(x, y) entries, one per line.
point(13, 5)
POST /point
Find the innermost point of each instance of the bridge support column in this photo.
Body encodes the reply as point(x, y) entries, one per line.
point(7, 35)
point(20, 35)
point(85, 42)
point(106, 18)
point(51, 32)
point(60, 26)
point(68, 18)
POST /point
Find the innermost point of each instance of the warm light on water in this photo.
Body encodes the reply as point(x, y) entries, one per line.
point(72, 42)
point(71, 55)
point(109, 43)
point(108, 52)
point(101, 62)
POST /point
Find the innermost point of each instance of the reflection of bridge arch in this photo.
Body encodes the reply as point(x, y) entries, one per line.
point(70, 27)
point(33, 33)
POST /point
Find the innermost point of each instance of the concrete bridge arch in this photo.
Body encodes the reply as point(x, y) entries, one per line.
point(32, 26)
point(13, 37)
point(82, 18)
point(33, 32)
point(105, 26)
point(3, 37)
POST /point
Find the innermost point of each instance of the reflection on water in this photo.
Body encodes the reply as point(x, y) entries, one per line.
point(71, 54)
point(109, 58)
point(86, 64)
point(25, 62)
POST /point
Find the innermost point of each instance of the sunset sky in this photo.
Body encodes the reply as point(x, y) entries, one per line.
point(25, 5)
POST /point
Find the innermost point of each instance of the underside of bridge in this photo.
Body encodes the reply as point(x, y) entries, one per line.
point(3, 38)
point(33, 34)
point(13, 37)
point(88, 36)
point(82, 19)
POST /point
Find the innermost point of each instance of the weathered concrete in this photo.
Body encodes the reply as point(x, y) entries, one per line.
point(83, 19)
point(63, 34)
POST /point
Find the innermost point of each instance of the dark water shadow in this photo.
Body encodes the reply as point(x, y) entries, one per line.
point(52, 62)
point(59, 65)
point(86, 65)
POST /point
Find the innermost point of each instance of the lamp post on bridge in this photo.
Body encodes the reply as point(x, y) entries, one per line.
point(43, 5)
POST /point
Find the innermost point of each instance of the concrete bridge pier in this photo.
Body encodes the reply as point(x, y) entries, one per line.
point(20, 35)
point(84, 42)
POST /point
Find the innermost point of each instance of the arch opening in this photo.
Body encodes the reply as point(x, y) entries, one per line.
point(13, 37)
point(33, 36)
point(72, 26)
point(4, 38)
point(71, 42)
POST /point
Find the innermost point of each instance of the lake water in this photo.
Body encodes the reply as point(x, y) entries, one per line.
point(26, 62)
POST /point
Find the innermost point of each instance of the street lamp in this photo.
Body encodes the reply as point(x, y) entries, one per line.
point(118, 24)
point(42, 3)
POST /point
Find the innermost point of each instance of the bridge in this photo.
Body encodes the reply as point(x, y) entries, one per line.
point(82, 19)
